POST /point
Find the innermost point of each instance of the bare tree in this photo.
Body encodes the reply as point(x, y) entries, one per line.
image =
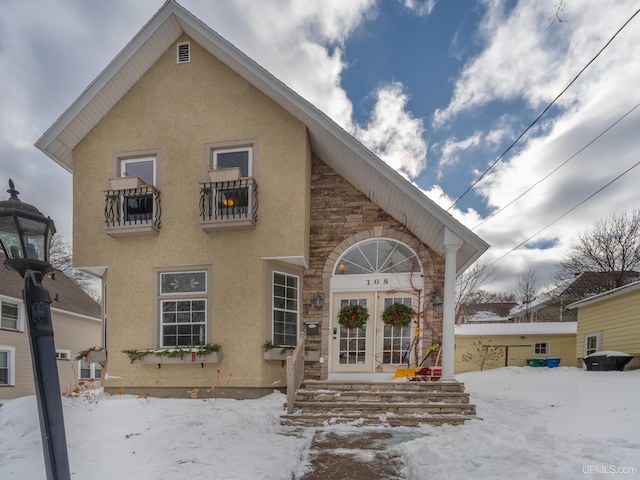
point(468, 285)
point(60, 258)
point(610, 247)
point(483, 354)
point(527, 291)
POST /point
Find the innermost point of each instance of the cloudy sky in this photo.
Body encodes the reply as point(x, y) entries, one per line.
point(438, 89)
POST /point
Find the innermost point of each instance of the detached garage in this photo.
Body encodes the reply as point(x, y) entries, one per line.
point(514, 344)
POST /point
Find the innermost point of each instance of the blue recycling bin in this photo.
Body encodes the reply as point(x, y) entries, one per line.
point(553, 362)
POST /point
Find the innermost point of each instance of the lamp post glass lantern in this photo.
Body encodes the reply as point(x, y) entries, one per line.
point(25, 238)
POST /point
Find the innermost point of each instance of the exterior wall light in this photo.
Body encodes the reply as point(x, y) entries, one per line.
point(318, 301)
point(436, 297)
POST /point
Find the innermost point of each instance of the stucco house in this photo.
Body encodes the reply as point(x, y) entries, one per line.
point(516, 343)
point(77, 325)
point(610, 321)
point(219, 208)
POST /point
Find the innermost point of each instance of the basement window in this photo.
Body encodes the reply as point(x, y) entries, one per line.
point(184, 52)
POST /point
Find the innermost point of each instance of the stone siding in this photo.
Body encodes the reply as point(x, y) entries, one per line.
point(342, 216)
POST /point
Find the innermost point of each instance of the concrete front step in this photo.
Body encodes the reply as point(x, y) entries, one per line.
point(384, 396)
point(368, 408)
point(342, 386)
point(320, 403)
point(319, 420)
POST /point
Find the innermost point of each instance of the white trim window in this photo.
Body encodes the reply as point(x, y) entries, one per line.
point(241, 158)
point(285, 308)
point(89, 371)
point(592, 343)
point(63, 354)
point(7, 366)
point(541, 348)
point(183, 308)
point(10, 316)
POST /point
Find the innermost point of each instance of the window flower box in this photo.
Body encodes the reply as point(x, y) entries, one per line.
point(93, 355)
point(281, 353)
point(201, 354)
point(277, 354)
point(214, 357)
point(96, 356)
point(230, 174)
point(126, 183)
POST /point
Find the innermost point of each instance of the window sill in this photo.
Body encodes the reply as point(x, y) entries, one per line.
point(231, 224)
point(133, 230)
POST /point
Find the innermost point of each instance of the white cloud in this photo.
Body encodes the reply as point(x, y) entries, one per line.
point(393, 133)
point(453, 146)
point(421, 8)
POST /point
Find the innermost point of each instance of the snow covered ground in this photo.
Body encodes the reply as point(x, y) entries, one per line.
point(538, 423)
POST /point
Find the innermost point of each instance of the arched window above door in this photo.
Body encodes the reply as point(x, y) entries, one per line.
point(377, 256)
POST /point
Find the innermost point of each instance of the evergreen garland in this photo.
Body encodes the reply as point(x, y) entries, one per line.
point(177, 352)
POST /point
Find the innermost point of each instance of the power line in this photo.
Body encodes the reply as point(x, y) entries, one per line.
point(493, 164)
point(565, 213)
point(558, 167)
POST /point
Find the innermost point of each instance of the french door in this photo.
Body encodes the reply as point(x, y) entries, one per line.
point(374, 347)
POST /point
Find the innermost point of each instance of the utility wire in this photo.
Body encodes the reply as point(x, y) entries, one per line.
point(565, 214)
point(558, 167)
point(476, 181)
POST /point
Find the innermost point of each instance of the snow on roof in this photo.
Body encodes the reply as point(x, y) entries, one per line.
point(486, 316)
point(540, 328)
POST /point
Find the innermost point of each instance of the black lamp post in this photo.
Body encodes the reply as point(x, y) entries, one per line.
point(25, 237)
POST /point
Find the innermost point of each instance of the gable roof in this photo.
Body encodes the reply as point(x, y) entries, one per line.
point(341, 151)
point(65, 293)
point(606, 295)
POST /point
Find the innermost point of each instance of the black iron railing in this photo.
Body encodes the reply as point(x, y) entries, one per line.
point(229, 201)
point(132, 207)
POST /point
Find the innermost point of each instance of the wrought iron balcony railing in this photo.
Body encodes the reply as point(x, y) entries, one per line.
point(229, 205)
point(133, 211)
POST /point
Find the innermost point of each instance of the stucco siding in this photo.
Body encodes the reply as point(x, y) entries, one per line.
point(177, 109)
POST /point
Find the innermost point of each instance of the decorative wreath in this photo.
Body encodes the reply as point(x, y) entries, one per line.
point(398, 314)
point(353, 316)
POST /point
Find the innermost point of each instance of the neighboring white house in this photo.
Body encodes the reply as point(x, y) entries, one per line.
point(77, 326)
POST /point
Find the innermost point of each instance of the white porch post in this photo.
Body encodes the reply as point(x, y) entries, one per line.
point(451, 244)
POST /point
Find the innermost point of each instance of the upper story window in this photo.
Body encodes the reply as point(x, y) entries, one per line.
point(9, 318)
point(133, 203)
point(183, 299)
point(144, 168)
point(229, 199)
point(234, 157)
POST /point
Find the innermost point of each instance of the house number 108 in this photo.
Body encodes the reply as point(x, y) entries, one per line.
point(377, 281)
